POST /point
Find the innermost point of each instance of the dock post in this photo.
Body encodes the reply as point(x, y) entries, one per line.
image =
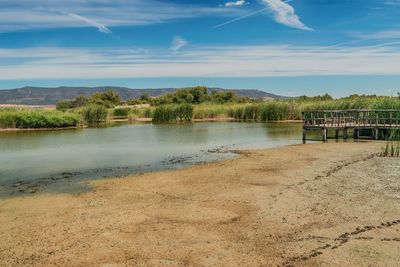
point(356, 134)
point(324, 134)
point(304, 135)
point(345, 133)
point(376, 133)
point(336, 134)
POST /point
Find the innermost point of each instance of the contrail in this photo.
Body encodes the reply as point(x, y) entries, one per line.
point(245, 16)
point(102, 28)
point(240, 18)
point(354, 42)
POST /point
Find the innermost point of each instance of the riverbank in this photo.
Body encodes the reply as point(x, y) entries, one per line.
point(332, 204)
point(38, 129)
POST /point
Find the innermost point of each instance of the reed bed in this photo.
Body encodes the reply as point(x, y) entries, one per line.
point(94, 115)
point(173, 113)
point(392, 147)
point(37, 119)
point(267, 111)
point(277, 110)
point(121, 112)
point(350, 103)
point(211, 111)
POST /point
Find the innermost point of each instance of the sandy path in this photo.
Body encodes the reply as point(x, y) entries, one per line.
point(313, 205)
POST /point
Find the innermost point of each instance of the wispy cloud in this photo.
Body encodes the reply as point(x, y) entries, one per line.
point(240, 18)
point(387, 34)
point(178, 43)
point(39, 14)
point(284, 13)
point(235, 3)
point(392, 2)
point(214, 61)
point(102, 28)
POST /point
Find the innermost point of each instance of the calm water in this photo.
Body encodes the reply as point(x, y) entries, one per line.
point(32, 162)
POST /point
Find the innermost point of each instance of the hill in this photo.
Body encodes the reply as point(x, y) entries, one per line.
point(50, 96)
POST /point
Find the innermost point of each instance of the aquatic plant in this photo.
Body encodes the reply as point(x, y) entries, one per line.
point(121, 112)
point(94, 115)
point(35, 119)
point(210, 111)
point(173, 113)
point(184, 112)
point(392, 146)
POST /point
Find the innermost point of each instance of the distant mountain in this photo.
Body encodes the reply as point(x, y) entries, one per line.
point(49, 96)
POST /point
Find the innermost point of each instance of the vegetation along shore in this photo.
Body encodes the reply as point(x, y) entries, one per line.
point(184, 105)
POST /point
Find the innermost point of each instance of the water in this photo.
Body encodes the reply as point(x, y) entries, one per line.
point(58, 161)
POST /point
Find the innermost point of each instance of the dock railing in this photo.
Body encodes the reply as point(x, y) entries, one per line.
point(352, 118)
point(357, 120)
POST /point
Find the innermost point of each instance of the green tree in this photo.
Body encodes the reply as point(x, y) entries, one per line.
point(145, 98)
point(64, 104)
point(80, 101)
point(108, 99)
point(223, 97)
point(199, 93)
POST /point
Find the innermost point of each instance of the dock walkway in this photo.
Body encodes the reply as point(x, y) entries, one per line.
point(371, 123)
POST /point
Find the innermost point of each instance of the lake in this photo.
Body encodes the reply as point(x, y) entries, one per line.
point(58, 161)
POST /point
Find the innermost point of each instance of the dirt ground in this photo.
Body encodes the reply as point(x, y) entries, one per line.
point(334, 204)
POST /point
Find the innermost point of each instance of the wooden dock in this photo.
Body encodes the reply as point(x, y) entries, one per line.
point(370, 123)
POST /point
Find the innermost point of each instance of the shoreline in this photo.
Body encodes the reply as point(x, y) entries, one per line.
point(38, 129)
point(298, 205)
point(141, 120)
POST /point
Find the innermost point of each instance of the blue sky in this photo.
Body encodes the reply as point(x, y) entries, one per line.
point(285, 47)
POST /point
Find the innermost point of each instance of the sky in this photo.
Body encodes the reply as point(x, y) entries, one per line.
point(291, 47)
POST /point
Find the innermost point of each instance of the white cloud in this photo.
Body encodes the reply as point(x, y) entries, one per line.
point(285, 14)
point(388, 34)
point(392, 2)
point(239, 18)
point(178, 43)
point(41, 14)
point(102, 28)
point(220, 61)
point(235, 3)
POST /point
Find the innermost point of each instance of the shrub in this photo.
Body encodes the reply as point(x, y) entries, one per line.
point(121, 112)
point(94, 115)
point(173, 113)
point(35, 119)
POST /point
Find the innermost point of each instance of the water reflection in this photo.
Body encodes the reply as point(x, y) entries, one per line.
point(75, 155)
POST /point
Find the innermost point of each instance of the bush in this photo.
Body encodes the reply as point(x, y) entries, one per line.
point(36, 119)
point(121, 112)
point(94, 115)
point(108, 99)
point(210, 111)
point(173, 113)
point(184, 112)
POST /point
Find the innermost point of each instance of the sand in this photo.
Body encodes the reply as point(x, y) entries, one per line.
point(331, 204)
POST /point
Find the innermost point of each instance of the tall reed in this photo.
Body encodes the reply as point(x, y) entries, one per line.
point(121, 112)
point(392, 147)
point(35, 119)
point(94, 115)
point(173, 113)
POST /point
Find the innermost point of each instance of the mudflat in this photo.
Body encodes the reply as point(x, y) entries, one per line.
point(334, 204)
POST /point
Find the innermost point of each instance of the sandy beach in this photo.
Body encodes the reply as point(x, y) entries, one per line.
point(334, 204)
